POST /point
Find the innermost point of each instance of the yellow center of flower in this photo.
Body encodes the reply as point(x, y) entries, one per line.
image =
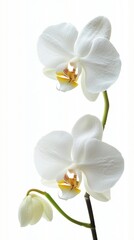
point(70, 181)
point(68, 76)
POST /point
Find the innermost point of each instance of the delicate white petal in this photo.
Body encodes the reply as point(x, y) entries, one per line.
point(102, 66)
point(65, 85)
point(52, 154)
point(56, 44)
point(48, 213)
point(61, 67)
point(49, 183)
point(47, 209)
point(102, 165)
point(87, 127)
point(25, 213)
point(50, 73)
point(37, 209)
point(90, 96)
point(98, 27)
point(68, 193)
point(104, 196)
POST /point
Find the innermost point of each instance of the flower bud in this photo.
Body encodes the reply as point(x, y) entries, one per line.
point(32, 209)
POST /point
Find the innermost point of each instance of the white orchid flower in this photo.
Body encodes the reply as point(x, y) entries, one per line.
point(65, 158)
point(67, 56)
point(32, 209)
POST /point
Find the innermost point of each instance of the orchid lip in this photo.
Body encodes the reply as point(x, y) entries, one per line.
point(69, 185)
point(70, 179)
point(68, 76)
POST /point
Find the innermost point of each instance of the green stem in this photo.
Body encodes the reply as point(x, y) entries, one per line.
point(87, 225)
point(106, 108)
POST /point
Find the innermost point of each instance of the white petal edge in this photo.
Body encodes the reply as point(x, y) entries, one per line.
point(65, 86)
point(56, 44)
point(50, 73)
point(98, 27)
point(102, 66)
point(48, 183)
point(90, 96)
point(103, 197)
point(47, 209)
point(87, 127)
point(53, 154)
point(25, 212)
point(37, 209)
point(67, 194)
point(102, 165)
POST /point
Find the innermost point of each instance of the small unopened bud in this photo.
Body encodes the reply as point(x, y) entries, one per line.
point(32, 209)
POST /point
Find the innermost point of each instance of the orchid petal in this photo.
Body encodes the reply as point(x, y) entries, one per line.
point(25, 213)
point(52, 154)
point(47, 212)
point(98, 27)
point(67, 192)
point(102, 165)
point(37, 209)
point(56, 44)
point(49, 183)
point(50, 73)
point(87, 127)
point(90, 96)
point(104, 196)
point(61, 67)
point(102, 66)
point(64, 85)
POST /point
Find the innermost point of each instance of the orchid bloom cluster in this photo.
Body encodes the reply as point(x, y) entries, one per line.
point(64, 159)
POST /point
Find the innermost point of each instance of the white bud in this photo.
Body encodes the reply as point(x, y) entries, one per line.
point(32, 209)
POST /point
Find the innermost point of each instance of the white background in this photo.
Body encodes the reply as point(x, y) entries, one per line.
point(31, 107)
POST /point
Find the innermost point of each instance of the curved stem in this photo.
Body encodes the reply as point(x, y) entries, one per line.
point(87, 225)
point(106, 108)
point(91, 216)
